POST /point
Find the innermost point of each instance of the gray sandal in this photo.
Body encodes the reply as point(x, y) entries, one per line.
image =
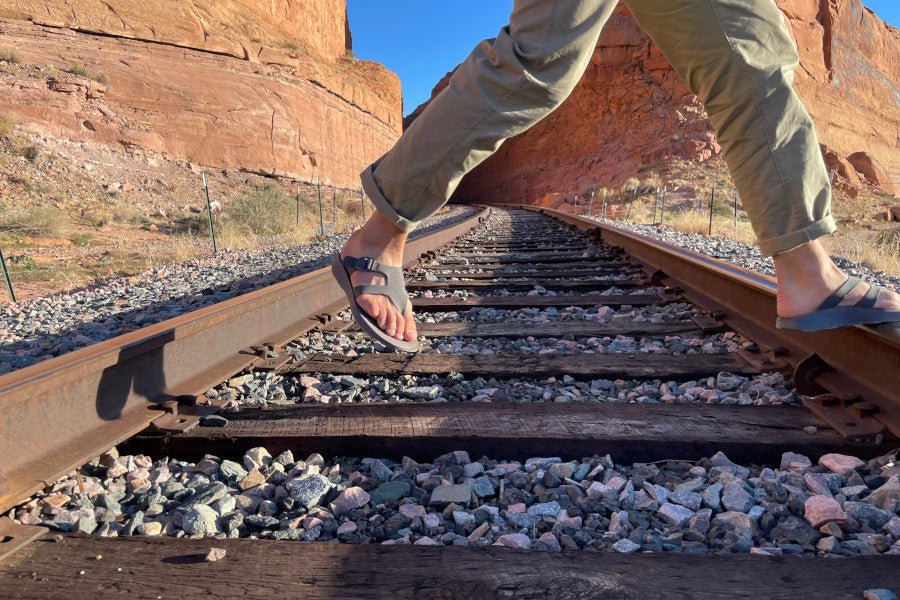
point(394, 289)
point(829, 315)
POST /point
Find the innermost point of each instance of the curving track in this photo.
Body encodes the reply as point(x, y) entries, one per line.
point(57, 415)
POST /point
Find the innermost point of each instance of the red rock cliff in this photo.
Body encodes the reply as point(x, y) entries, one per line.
point(631, 109)
point(259, 86)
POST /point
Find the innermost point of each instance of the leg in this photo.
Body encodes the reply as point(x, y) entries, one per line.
point(737, 56)
point(505, 86)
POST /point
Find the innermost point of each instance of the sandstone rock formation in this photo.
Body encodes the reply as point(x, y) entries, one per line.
point(631, 112)
point(258, 86)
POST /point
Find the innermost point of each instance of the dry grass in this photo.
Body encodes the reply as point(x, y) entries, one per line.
point(7, 122)
point(11, 55)
point(36, 222)
point(882, 251)
point(81, 70)
point(181, 249)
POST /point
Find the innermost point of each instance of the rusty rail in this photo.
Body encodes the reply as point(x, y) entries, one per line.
point(852, 373)
point(58, 414)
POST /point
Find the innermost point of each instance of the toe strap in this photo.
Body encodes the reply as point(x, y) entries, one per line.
point(838, 295)
point(394, 289)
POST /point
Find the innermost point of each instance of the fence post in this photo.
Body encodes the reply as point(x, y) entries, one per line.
point(362, 200)
point(591, 203)
point(603, 216)
point(712, 202)
point(321, 218)
point(212, 233)
point(655, 204)
point(12, 296)
point(334, 207)
point(630, 204)
point(735, 210)
point(662, 209)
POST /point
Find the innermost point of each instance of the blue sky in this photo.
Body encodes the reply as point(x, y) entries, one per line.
point(420, 40)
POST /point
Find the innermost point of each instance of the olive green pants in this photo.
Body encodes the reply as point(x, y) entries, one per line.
point(735, 55)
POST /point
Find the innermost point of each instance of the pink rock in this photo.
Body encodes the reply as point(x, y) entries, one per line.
point(411, 511)
point(425, 541)
point(892, 527)
point(824, 509)
point(207, 467)
point(30, 519)
point(143, 461)
point(597, 490)
point(310, 522)
point(514, 540)
point(817, 483)
point(616, 483)
point(307, 381)
point(353, 497)
point(841, 463)
point(346, 528)
point(404, 541)
point(516, 508)
point(766, 551)
point(433, 520)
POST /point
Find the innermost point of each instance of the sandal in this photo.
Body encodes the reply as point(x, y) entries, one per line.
point(829, 315)
point(394, 289)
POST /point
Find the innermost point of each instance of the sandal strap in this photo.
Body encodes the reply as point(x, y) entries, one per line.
point(394, 288)
point(838, 295)
point(868, 301)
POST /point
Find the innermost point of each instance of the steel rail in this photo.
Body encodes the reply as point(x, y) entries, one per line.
point(58, 414)
point(846, 364)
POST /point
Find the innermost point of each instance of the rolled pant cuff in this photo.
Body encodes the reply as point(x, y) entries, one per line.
point(789, 241)
point(381, 203)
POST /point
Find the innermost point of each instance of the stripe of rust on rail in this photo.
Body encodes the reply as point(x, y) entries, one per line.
point(864, 361)
point(58, 414)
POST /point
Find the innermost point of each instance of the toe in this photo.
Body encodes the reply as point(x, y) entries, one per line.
point(888, 300)
point(410, 333)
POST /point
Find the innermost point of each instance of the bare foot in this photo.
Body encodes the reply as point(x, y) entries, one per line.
point(806, 276)
point(383, 241)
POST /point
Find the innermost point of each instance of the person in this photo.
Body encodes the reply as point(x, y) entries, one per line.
point(735, 55)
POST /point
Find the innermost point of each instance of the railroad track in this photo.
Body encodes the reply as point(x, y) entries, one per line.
point(530, 327)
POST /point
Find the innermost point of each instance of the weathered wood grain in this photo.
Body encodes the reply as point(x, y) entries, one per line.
point(168, 568)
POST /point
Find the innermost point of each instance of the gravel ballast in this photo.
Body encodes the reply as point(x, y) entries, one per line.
point(833, 505)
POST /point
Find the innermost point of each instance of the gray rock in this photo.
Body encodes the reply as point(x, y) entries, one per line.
point(232, 470)
point(378, 469)
point(86, 525)
point(390, 492)
point(625, 546)
point(544, 509)
point(885, 496)
point(868, 515)
point(261, 521)
point(483, 487)
point(201, 519)
point(736, 498)
point(796, 530)
point(428, 392)
point(444, 495)
point(522, 520)
point(310, 491)
point(673, 514)
point(473, 469)
point(205, 495)
point(734, 531)
point(712, 496)
point(691, 500)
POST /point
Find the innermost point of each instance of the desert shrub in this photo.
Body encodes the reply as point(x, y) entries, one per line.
point(43, 221)
point(263, 209)
point(30, 152)
point(6, 124)
point(48, 72)
point(11, 55)
point(81, 70)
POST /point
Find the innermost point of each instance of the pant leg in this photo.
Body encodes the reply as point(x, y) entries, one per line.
point(506, 85)
point(737, 57)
